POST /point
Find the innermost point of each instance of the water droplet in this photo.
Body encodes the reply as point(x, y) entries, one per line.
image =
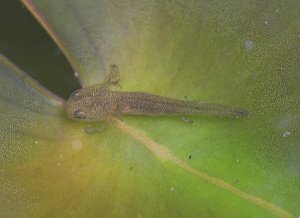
point(58, 164)
point(266, 22)
point(171, 189)
point(249, 44)
point(35, 142)
point(286, 133)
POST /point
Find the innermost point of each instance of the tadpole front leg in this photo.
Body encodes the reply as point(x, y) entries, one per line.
point(96, 128)
point(113, 79)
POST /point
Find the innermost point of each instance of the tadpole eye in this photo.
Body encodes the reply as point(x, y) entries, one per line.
point(76, 95)
point(79, 114)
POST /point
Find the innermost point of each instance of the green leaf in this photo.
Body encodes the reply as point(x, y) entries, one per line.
point(241, 53)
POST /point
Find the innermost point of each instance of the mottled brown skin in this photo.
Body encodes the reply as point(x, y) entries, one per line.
point(98, 102)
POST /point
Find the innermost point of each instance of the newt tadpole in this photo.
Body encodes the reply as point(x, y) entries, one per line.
point(99, 102)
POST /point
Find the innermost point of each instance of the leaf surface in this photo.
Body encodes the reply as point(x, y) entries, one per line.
point(229, 52)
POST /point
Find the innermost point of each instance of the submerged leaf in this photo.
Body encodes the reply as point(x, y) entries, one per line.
point(244, 54)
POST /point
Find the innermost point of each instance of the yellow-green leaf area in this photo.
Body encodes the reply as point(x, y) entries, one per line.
point(239, 53)
point(51, 167)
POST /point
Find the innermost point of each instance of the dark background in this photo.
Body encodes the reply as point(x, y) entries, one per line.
point(27, 44)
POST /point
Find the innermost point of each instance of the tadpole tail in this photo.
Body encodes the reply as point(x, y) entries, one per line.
point(218, 110)
point(207, 109)
point(140, 103)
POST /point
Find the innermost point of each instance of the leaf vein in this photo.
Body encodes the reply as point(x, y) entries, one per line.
point(162, 152)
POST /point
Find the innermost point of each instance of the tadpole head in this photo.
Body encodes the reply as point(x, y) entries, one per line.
point(74, 107)
point(76, 95)
point(79, 114)
point(91, 103)
point(73, 111)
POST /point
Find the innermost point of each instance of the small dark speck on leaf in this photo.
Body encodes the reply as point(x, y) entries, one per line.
point(190, 157)
point(131, 168)
point(185, 96)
